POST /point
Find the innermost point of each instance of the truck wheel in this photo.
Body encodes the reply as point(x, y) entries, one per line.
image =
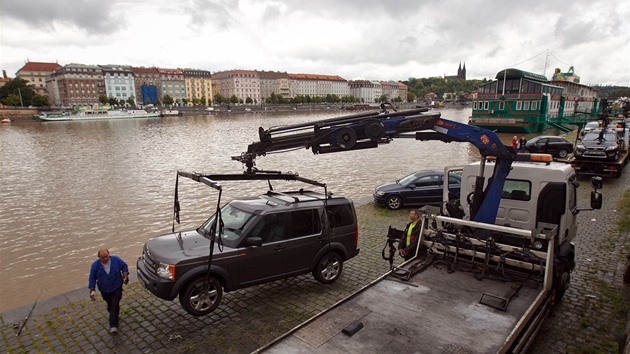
point(328, 268)
point(563, 284)
point(394, 202)
point(198, 300)
point(562, 153)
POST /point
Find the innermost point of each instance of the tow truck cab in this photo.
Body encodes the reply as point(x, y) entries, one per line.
point(533, 192)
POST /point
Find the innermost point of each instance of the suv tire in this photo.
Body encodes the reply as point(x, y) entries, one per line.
point(328, 268)
point(198, 301)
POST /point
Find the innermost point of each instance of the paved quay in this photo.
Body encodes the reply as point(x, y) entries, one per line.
point(592, 310)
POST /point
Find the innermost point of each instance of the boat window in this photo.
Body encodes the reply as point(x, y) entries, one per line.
point(486, 105)
point(519, 105)
point(534, 105)
point(526, 106)
point(502, 105)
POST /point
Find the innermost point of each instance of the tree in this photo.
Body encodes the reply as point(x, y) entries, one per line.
point(233, 99)
point(219, 99)
point(19, 88)
point(102, 99)
point(157, 102)
point(131, 101)
point(202, 101)
point(12, 100)
point(249, 100)
point(40, 101)
point(112, 101)
point(147, 101)
point(168, 100)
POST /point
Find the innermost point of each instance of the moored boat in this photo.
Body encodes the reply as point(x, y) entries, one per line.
point(97, 114)
point(518, 101)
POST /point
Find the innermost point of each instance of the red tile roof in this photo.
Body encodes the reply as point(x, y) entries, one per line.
point(37, 66)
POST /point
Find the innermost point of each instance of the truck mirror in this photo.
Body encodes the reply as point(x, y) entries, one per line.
point(597, 182)
point(596, 200)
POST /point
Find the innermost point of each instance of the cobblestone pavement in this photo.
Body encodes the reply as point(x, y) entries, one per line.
point(246, 319)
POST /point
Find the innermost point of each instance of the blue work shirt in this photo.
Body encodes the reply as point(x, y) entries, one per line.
point(107, 283)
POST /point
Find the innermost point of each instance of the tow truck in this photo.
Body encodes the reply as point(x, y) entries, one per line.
point(489, 266)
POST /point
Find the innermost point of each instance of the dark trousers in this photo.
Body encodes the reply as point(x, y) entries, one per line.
point(113, 305)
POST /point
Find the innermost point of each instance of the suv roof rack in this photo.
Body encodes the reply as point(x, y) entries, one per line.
point(293, 196)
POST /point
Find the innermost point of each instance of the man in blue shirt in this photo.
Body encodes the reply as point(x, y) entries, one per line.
point(109, 273)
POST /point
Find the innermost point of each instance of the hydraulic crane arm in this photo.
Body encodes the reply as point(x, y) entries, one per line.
point(370, 129)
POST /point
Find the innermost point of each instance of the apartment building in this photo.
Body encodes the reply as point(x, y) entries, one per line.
point(75, 85)
point(318, 85)
point(366, 91)
point(198, 85)
point(274, 82)
point(243, 84)
point(35, 74)
point(119, 82)
point(147, 84)
point(173, 84)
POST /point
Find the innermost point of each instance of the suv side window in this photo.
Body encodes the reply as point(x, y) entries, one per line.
point(270, 228)
point(340, 215)
point(304, 223)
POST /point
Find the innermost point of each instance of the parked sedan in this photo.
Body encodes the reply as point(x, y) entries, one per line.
point(417, 189)
point(554, 145)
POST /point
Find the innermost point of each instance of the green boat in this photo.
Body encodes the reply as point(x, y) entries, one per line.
point(522, 102)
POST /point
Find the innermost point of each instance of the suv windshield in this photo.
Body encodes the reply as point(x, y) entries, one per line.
point(234, 220)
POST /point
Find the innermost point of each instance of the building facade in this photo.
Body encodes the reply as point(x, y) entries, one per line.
point(173, 84)
point(274, 82)
point(119, 83)
point(147, 84)
point(243, 84)
point(198, 85)
point(318, 85)
point(75, 85)
point(364, 90)
point(35, 74)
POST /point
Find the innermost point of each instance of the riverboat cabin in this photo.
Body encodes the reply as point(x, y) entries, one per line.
point(523, 102)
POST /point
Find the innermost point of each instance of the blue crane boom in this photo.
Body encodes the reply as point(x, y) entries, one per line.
point(370, 129)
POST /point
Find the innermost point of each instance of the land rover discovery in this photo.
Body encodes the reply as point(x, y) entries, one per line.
point(275, 236)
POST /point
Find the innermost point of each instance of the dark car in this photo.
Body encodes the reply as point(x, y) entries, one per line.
point(418, 188)
point(276, 236)
point(553, 145)
point(600, 144)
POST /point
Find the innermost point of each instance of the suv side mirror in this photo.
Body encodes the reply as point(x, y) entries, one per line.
point(253, 241)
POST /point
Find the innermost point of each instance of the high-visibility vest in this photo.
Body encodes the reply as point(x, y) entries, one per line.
point(411, 226)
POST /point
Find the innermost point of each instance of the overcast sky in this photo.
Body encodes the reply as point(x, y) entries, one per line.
point(367, 39)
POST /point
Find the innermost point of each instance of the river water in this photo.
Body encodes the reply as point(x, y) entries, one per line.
point(70, 188)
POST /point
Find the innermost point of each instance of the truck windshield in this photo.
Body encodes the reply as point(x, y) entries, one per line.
point(234, 220)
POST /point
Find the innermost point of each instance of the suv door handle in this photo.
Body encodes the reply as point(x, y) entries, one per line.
point(279, 248)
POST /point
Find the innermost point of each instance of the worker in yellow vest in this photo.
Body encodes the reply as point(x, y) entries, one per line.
point(409, 241)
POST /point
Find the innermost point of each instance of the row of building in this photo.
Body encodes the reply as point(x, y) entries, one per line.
point(80, 84)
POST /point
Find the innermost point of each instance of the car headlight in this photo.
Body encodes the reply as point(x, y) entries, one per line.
point(612, 147)
point(166, 271)
point(379, 193)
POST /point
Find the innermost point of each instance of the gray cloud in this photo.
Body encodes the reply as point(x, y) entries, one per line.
point(91, 16)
